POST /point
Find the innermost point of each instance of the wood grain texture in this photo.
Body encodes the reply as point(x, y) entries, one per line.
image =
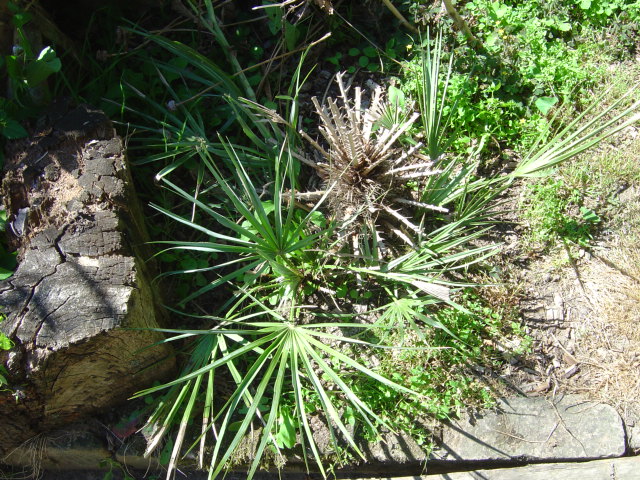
point(80, 287)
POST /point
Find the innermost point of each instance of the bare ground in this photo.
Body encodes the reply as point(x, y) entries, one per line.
point(583, 310)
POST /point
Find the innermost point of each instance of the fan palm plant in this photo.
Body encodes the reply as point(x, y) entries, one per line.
point(411, 216)
point(267, 355)
point(268, 351)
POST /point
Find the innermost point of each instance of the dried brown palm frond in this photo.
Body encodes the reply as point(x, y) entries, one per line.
point(369, 174)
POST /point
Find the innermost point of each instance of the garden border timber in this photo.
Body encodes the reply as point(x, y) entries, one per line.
point(603, 437)
point(82, 287)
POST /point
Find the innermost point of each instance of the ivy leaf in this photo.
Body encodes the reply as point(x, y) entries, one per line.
point(396, 97)
point(370, 52)
point(275, 19)
point(12, 130)
point(291, 35)
point(287, 432)
point(38, 70)
point(544, 104)
point(589, 215)
point(8, 263)
point(5, 342)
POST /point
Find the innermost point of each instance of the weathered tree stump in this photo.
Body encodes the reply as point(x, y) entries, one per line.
point(77, 306)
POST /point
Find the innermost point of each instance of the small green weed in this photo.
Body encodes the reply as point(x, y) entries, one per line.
point(8, 260)
point(27, 71)
point(369, 58)
point(442, 370)
point(555, 212)
point(113, 467)
point(5, 344)
point(531, 64)
point(580, 200)
point(604, 13)
point(9, 127)
point(27, 68)
point(187, 262)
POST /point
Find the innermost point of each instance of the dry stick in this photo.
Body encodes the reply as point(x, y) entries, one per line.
point(529, 441)
point(413, 167)
point(283, 55)
point(461, 24)
point(409, 176)
point(305, 160)
point(576, 271)
point(383, 150)
point(399, 16)
point(400, 235)
point(271, 5)
point(315, 144)
point(564, 425)
point(409, 152)
point(404, 220)
point(421, 205)
point(564, 349)
point(317, 195)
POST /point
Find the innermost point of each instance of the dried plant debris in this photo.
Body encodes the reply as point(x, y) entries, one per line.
point(373, 182)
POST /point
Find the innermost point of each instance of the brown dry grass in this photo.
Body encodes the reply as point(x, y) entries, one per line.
point(609, 338)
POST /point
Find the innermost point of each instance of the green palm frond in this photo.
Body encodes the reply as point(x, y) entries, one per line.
point(580, 135)
point(278, 355)
point(271, 237)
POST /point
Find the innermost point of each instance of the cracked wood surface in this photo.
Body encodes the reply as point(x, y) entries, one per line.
point(80, 284)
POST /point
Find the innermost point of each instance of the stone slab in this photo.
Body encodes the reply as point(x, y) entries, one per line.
point(610, 469)
point(633, 433)
point(400, 450)
point(535, 429)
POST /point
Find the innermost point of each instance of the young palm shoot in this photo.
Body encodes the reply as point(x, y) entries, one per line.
point(432, 99)
point(270, 239)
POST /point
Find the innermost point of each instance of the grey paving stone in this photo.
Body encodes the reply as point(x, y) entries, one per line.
point(633, 433)
point(535, 429)
point(610, 469)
